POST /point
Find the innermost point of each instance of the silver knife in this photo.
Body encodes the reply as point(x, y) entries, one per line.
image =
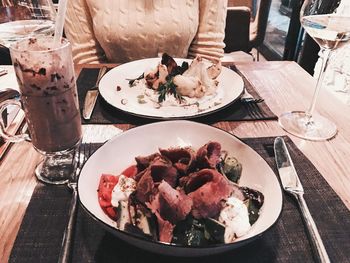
point(91, 95)
point(292, 185)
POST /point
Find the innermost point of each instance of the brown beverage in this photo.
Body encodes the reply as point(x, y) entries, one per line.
point(48, 93)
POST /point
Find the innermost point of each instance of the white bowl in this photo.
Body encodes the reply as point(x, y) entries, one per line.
point(119, 152)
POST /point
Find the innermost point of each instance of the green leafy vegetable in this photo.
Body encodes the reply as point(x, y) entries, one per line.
point(198, 232)
point(169, 87)
point(179, 70)
point(253, 211)
point(190, 232)
point(254, 201)
point(215, 229)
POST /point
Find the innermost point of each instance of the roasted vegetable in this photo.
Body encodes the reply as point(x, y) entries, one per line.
point(231, 168)
point(215, 229)
point(133, 218)
point(190, 232)
point(123, 212)
point(194, 232)
point(254, 201)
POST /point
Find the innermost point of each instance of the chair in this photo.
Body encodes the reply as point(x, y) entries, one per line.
point(246, 25)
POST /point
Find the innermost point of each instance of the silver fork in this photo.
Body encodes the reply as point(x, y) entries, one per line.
point(253, 110)
point(248, 98)
point(252, 100)
point(80, 156)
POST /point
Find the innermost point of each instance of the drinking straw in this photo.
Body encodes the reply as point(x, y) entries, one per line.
point(62, 7)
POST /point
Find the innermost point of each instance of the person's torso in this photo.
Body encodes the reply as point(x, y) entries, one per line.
point(135, 29)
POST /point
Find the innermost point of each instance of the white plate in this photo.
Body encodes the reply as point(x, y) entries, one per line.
point(126, 98)
point(118, 153)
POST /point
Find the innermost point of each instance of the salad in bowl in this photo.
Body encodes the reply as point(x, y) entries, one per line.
point(180, 187)
point(182, 196)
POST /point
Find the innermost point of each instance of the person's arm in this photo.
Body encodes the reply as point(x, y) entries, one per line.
point(78, 29)
point(209, 40)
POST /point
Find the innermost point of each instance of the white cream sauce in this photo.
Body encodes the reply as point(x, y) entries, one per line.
point(204, 103)
point(122, 190)
point(235, 217)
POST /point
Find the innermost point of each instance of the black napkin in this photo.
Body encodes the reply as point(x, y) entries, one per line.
point(40, 235)
point(104, 113)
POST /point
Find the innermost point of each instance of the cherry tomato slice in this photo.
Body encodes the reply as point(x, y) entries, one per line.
point(131, 171)
point(106, 185)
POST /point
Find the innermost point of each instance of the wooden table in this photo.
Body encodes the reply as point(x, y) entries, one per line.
point(283, 84)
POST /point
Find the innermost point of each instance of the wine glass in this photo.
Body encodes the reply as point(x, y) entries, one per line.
point(328, 23)
point(25, 18)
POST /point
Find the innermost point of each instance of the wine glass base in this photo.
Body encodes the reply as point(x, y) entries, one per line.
point(316, 128)
point(55, 169)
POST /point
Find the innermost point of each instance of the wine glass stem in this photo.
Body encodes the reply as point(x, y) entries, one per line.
point(324, 58)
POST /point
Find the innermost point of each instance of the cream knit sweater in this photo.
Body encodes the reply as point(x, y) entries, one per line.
point(125, 30)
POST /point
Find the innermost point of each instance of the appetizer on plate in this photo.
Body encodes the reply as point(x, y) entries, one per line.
point(170, 88)
point(170, 84)
point(183, 196)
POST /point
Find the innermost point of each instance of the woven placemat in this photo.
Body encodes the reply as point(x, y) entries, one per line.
point(104, 113)
point(40, 235)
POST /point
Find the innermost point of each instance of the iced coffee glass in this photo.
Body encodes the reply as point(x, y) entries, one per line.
point(45, 75)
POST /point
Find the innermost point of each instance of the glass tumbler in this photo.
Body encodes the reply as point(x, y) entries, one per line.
point(45, 75)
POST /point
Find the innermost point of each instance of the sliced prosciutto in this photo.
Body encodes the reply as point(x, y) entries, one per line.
point(162, 169)
point(208, 156)
point(170, 206)
point(142, 162)
point(207, 188)
point(145, 187)
point(159, 169)
point(182, 158)
point(174, 205)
